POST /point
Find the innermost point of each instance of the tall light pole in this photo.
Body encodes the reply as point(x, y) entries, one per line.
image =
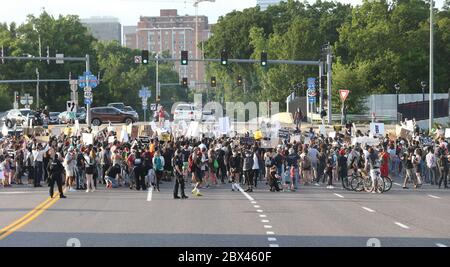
point(37, 89)
point(431, 82)
point(397, 90)
point(423, 84)
point(196, 33)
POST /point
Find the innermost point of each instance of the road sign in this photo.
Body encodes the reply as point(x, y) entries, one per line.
point(71, 106)
point(138, 59)
point(87, 80)
point(87, 101)
point(87, 89)
point(145, 93)
point(60, 61)
point(344, 94)
point(152, 107)
point(311, 92)
point(26, 100)
point(87, 94)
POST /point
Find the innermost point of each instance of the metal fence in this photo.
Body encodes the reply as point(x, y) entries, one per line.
point(420, 110)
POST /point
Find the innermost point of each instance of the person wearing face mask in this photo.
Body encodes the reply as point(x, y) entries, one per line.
point(55, 172)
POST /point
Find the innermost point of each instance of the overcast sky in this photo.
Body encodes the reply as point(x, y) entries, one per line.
point(128, 11)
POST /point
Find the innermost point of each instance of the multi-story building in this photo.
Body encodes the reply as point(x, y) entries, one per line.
point(265, 3)
point(128, 31)
point(173, 33)
point(104, 28)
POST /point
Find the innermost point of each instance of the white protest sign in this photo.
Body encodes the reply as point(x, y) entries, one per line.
point(332, 134)
point(322, 130)
point(365, 140)
point(111, 139)
point(410, 125)
point(296, 138)
point(224, 125)
point(377, 128)
point(4, 130)
point(124, 136)
point(193, 130)
point(88, 138)
point(447, 133)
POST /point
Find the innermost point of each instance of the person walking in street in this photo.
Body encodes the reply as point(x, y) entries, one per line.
point(235, 170)
point(69, 165)
point(195, 163)
point(342, 167)
point(139, 172)
point(89, 157)
point(416, 159)
point(55, 171)
point(38, 155)
point(177, 163)
point(247, 168)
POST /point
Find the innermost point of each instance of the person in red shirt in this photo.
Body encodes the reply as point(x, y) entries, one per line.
point(384, 168)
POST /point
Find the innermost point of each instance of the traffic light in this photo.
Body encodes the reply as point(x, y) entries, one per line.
point(213, 81)
point(184, 82)
point(17, 97)
point(239, 80)
point(144, 56)
point(264, 59)
point(184, 58)
point(224, 57)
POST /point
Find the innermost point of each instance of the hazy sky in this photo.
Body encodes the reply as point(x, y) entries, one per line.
point(128, 11)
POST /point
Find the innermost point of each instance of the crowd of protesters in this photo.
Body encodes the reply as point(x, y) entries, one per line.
point(204, 162)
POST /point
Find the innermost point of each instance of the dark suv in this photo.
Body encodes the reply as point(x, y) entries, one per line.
point(100, 115)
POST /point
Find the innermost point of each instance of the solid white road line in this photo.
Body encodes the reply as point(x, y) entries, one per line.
point(434, 196)
point(270, 233)
point(341, 196)
point(398, 184)
point(245, 193)
point(273, 245)
point(150, 193)
point(265, 221)
point(271, 239)
point(437, 244)
point(369, 210)
point(402, 225)
point(257, 206)
point(259, 211)
point(267, 226)
point(262, 215)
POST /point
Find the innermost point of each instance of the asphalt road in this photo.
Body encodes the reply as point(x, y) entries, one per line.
point(312, 216)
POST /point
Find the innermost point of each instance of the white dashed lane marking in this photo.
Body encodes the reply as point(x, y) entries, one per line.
point(271, 239)
point(274, 245)
point(432, 196)
point(257, 206)
point(369, 210)
point(265, 221)
point(402, 225)
point(259, 211)
point(397, 184)
point(270, 233)
point(262, 215)
point(341, 196)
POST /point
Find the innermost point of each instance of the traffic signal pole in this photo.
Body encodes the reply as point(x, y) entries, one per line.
point(88, 106)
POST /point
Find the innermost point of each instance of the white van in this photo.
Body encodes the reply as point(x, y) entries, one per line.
point(187, 112)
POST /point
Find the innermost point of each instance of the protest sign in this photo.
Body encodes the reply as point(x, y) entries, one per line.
point(88, 138)
point(111, 139)
point(377, 128)
point(332, 134)
point(447, 133)
point(296, 138)
point(224, 125)
point(283, 134)
point(42, 139)
point(322, 130)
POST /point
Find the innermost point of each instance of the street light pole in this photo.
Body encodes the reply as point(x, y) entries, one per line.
point(431, 67)
point(37, 89)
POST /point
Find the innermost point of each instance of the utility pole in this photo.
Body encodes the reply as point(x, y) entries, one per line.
point(431, 68)
point(329, 61)
point(88, 106)
point(37, 89)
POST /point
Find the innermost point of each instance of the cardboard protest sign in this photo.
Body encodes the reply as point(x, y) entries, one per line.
point(88, 138)
point(269, 143)
point(42, 139)
point(38, 130)
point(447, 133)
point(145, 130)
point(284, 134)
point(164, 137)
point(332, 134)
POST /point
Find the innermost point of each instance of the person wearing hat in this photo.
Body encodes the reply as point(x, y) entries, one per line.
point(177, 163)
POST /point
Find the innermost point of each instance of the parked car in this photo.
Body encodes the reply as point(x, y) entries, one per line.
point(130, 110)
point(53, 118)
point(187, 112)
point(118, 105)
point(17, 117)
point(100, 115)
point(208, 116)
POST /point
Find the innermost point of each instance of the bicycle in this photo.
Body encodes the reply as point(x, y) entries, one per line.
point(359, 183)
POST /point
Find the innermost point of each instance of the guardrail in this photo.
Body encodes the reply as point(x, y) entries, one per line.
point(358, 117)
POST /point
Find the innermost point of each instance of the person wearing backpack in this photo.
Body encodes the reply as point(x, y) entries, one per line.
point(158, 165)
point(139, 172)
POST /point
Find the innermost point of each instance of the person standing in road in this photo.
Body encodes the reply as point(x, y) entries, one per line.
point(55, 171)
point(416, 159)
point(343, 169)
point(247, 168)
point(177, 163)
point(235, 170)
point(139, 172)
point(89, 157)
point(443, 166)
point(69, 165)
point(431, 164)
point(409, 168)
point(158, 165)
point(38, 155)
